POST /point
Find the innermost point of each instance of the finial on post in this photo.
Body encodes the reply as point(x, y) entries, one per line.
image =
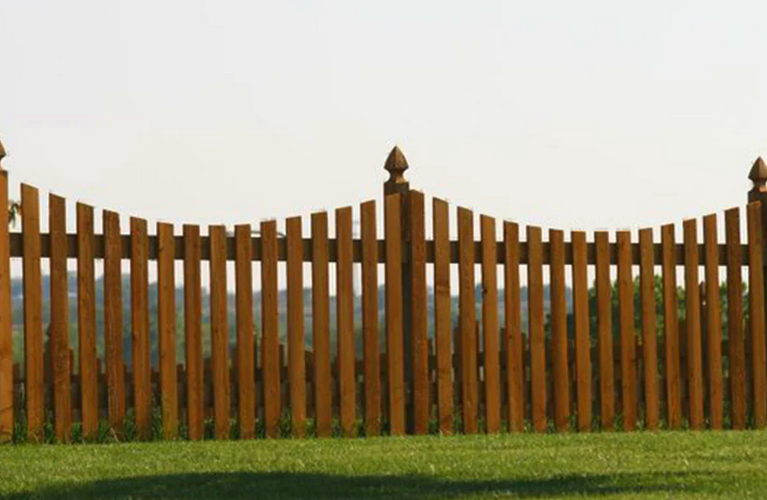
point(758, 176)
point(2, 153)
point(396, 164)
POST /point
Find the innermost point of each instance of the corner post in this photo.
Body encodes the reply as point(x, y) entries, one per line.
point(758, 192)
point(396, 165)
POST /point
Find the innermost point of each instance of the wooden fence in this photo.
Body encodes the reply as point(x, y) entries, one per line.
point(568, 367)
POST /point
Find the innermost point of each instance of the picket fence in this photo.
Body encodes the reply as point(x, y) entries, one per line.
point(547, 374)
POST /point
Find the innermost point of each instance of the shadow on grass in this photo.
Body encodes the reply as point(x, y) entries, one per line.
point(285, 485)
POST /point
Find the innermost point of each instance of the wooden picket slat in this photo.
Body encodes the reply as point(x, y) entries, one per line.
point(692, 308)
point(467, 315)
point(490, 328)
point(86, 322)
point(713, 322)
point(394, 325)
point(166, 328)
point(246, 379)
point(113, 321)
point(536, 330)
point(419, 318)
point(671, 328)
point(582, 330)
point(6, 321)
point(442, 321)
point(604, 333)
point(514, 341)
point(219, 332)
point(345, 317)
point(296, 357)
point(649, 329)
point(321, 325)
point(59, 328)
point(195, 399)
point(270, 343)
point(141, 350)
point(371, 357)
point(736, 337)
point(33, 326)
point(627, 333)
point(756, 313)
point(559, 347)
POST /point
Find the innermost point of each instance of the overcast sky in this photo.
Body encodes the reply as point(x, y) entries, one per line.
point(564, 114)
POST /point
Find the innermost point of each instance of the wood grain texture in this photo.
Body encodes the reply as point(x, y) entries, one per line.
point(140, 346)
point(736, 337)
point(219, 332)
point(370, 346)
point(345, 317)
point(394, 319)
point(649, 329)
point(442, 320)
point(604, 332)
point(419, 319)
point(86, 322)
point(714, 323)
point(756, 313)
point(195, 401)
point(246, 378)
point(582, 331)
point(7, 409)
point(166, 329)
point(113, 321)
point(559, 345)
point(627, 331)
point(490, 327)
point(59, 327)
point(296, 357)
point(468, 322)
point(321, 325)
point(671, 329)
point(693, 322)
point(536, 332)
point(514, 340)
point(270, 328)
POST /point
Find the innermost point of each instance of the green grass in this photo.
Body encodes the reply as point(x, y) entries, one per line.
point(639, 465)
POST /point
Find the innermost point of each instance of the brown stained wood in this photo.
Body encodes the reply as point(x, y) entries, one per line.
point(113, 321)
point(321, 325)
point(467, 316)
point(714, 323)
point(536, 331)
point(395, 370)
point(514, 340)
point(627, 332)
point(490, 328)
point(59, 327)
point(559, 346)
point(604, 332)
point(296, 356)
point(166, 329)
point(245, 355)
point(33, 326)
point(419, 319)
point(671, 330)
point(582, 331)
point(195, 401)
point(756, 314)
point(649, 329)
point(442, 321)
point(140, 346)
point(219, 332)
point(345, 317)
point(735, 333)
point(693, 322)
point(86, 322)
point(371, 355)
point(6, 324)
point(270, 329)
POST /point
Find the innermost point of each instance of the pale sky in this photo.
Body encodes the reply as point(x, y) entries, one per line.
point(564, 114)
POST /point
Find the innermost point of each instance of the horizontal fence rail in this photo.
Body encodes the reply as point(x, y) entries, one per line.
point(549, 331)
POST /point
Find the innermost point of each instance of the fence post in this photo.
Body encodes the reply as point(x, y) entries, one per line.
point(758, 192)
point(396, 164)
point(6, 334)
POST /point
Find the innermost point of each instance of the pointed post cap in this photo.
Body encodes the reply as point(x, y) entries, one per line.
point(2, 151)
point(396, 164)
point(758, 175)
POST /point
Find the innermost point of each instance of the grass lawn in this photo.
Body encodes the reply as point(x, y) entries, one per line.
point(640, 465)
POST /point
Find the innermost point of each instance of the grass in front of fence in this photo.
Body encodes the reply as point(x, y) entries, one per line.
point(612, 465)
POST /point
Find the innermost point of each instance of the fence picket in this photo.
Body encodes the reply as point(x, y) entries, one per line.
point(559, 347)
point(736, 337)
point(394, 334)
point(140, 348)
point(536, 328)
point(693, 321)
point(713, 321)
point(671, 328)
point(86, 322)
point(345, 317)
point(467, 315)
point(627, 333)
point(582, 330)
point(219, 332)
point(246, 380)
point(756, 314)
point(113, 321)
point(490, 329)
point(604, 334)
point(270, 329)
point(166, 328)
point(296, 358)
point(371, 357)
point(649, 328)
point(59, 327)
point(514, 341)
point(7, 378)
point(195, 399)
point(442, 320)
point(321, 324)
point(419, 319)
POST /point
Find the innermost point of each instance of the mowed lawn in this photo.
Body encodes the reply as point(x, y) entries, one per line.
point(639, 465)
